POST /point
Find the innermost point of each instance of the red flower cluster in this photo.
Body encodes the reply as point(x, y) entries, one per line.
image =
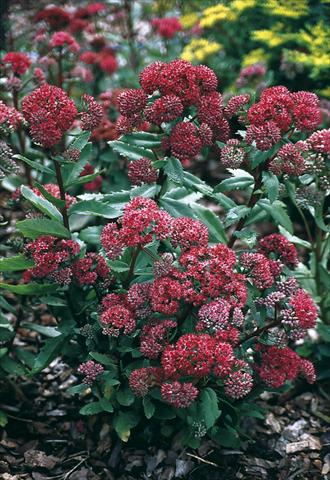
point(167, 27)
point(279, 110)
point(164, 109)
point(94, 114)
point(235, 104)
point(188, 232)
point(64, 39)
point(78, 20)
point(50, 113)
point(281, 364)
point(208, 273)
point(53, 259)
point(304, 309)
point(142, 380)
point(104, 59)
point(289, 160)
point(91, 371)
point(90, 269)
point(18, 61)
point(142, 220)
point(197, 355)
point(117, 316)
point(278, 246)
point(56, 17)
point(141, 171)
point(181, 85)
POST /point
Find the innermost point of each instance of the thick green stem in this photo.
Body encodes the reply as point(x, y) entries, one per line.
point(251, 203)
point(130, 274)
point(62, 193)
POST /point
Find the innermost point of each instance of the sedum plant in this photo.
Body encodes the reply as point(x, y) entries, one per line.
point(172, 307)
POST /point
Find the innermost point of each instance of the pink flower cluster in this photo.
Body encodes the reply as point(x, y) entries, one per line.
point(251, 73)
point(64, 39)
point(10, 118)
point(91, 370)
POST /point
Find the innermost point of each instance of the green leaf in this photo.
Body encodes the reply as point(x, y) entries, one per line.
point(247, 236)
point(235, 214)
point(294, 239)
point(240, 180)
point(195, 184)
point(106, 405)
point(271, 185)
point(49, 351)
point(176, 208)
point(92, 408)
point(208, 407)
point(91, 234)
point(125, 397)
point(30, 288)
point(147, 191)
point(54, 200)
point(143, 139)
point(174, 171)
point(84, 179)
point(94, 207)
point(5, 334)
point(319, 220)
point(53, 301)
point(3, 419)
point(37, 166)
point(80, 141)
point(123, 423)
point(118, 266)
point(214, 225)
point(148, 407)
point(227, 437)
point(35, 227)
point(41, 204)
point(15, 264)
point(132, 152)
point(102, 358)
point(42, 329)
point(277, 212)
point(11, 366)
